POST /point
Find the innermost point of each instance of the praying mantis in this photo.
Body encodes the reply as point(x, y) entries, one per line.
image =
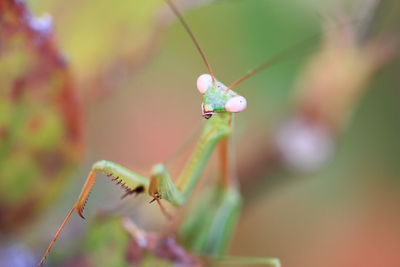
point(214, 220)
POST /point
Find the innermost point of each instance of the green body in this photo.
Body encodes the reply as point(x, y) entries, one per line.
point(218, 212)
point(209, 228)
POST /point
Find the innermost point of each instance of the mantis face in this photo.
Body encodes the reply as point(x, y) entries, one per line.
point(217, 98)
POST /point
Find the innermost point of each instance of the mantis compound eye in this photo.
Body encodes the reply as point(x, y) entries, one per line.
point(236, 104)
point(204, 82)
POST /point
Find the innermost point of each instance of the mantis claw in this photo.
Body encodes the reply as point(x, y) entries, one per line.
point(157, 197)
point(81, 214)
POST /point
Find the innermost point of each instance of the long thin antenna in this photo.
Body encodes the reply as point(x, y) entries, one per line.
point(55, 237)
point(186, 26)
point(285, 54)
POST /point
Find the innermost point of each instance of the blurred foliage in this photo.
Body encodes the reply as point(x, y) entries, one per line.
point(116, 241)
point(133, 34)
point(105, 244)
point(40, 123)
point(127, 27)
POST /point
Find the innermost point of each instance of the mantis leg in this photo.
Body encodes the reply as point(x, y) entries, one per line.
point(127, 179)
point(209, 228)
point(130, 181)
point(162, 186)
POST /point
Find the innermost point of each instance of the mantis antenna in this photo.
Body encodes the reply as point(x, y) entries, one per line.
point(267, 63)
point(283, 55)
point(197, 44)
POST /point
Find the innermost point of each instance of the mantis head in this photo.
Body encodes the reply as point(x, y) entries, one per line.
point(217, 98)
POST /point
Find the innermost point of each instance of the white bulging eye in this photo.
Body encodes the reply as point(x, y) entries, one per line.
point(204, 82)
point(236, 104)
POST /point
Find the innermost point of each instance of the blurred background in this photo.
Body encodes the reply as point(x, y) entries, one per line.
point(317, 149)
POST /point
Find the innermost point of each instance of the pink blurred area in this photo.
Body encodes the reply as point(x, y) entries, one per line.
point(304, 228)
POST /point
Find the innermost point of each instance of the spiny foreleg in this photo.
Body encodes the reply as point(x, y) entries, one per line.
point(130, 181)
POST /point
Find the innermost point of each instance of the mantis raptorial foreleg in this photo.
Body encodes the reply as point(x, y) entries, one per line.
point(129, 180)
point(160, 185)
